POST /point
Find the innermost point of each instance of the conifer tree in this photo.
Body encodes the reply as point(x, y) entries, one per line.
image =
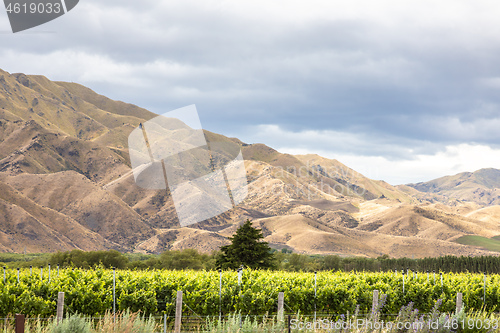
point(246, 249)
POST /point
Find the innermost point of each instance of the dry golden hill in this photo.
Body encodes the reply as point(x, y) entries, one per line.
point(26, 147)
point(76, 197)
point(350, 182)
point(423, 222)
point(489, 214)
point(66, 108)
point(182, 238)
point(306, 235)
point(481, 186)
point(24, 224)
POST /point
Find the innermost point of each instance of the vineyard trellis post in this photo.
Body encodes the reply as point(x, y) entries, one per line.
point(240, 275)
point(19, 323)
point(484, 289)
point(459, 303)
point(41, 273)
point(178, 312)
point(18, 275)
point(164, 323)
point(220, 294)
point(434, 272)
point(49, 273)
point(4, 274)
point(375, 301)
point(31, 269)
point(60, 306)
point(315, 280)
point(114, 294)
point(403, 272)
point(281, 301)
point(441, 273)
point(57, 270)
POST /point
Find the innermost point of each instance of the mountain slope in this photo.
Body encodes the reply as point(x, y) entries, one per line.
point(481, 186)
point(26, 224)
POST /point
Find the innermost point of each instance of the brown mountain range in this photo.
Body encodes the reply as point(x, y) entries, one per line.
point(66, 182)
point(481, 186)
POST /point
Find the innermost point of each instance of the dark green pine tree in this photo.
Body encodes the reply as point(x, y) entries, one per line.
point(246, 249)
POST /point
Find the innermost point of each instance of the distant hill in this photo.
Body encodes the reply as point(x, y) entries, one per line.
point(481, 186)
point(66, 182)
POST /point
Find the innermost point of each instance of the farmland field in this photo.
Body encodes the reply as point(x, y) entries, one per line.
point(90, 292)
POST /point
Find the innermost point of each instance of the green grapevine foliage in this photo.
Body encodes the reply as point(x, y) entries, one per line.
point(89, 292)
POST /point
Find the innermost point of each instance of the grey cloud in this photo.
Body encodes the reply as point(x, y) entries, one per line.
point(403, 81)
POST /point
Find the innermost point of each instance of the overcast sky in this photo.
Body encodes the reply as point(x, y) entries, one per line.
point(403, 91)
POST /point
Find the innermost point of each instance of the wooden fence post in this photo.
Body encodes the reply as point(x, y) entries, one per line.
point(19, 323)
point(375, 301)
point(60, 306)
point(178, 312)
point(459, 302)
point(281, 301)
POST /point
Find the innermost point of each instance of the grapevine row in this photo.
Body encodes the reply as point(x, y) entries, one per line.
point(89, 292)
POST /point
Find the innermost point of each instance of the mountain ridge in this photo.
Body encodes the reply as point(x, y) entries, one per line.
point(481, 186)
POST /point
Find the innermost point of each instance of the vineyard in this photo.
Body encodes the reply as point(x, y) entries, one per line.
point(90, 292)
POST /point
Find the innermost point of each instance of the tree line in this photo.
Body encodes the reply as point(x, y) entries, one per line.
point(247, 249)
point(282, 260)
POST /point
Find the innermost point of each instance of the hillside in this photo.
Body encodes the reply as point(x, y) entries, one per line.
point(66, 182)
point(481, 186)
